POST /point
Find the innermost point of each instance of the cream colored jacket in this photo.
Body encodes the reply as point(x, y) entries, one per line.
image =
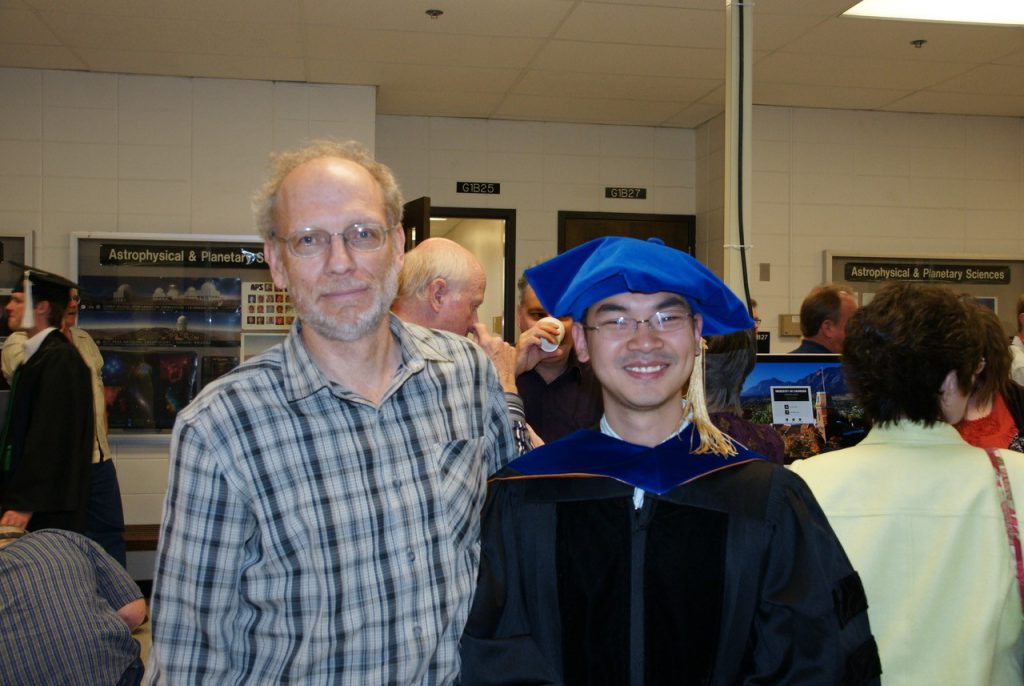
point(918, 512)
point(1017, 363)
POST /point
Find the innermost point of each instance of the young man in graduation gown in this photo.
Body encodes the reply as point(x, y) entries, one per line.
point(656, 550)
point(46, 444)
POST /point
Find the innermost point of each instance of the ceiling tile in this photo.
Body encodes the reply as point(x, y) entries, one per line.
point(437, 104)
point(775, 31)
point(175, 35)
point(194, 64)
point(420, 48)
point(679, 4)
point(269, 11)
point(39, 57)
point(1012, 58)
point(22, 27)
point(809, 8)
point(603, 58)
point(993, 79)
point(607, 23)
point(694, 115)
point(526, 18)
point(392, 77)
point(614, 86)
point(856, 72)
point(892, 40)
point(601, 61)
point(590, 110)
point(959, 103)
point(824, 96)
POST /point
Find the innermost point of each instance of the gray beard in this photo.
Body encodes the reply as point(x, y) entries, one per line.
point(364, 323)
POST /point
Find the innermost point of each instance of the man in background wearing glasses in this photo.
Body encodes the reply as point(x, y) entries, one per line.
point(656, 550)
point(322, 514)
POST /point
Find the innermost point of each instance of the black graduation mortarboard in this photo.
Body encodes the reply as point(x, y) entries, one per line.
point(573, 281)
point(38, 284)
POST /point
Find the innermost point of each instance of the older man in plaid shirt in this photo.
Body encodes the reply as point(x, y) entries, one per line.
point(322, 516)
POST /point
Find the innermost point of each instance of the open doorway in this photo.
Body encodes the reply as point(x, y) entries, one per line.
point(490, 234)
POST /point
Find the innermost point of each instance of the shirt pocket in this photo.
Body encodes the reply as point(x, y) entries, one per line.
point(461, 484)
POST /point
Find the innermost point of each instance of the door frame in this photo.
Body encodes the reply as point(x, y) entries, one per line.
point(509, 216)
point(612, 221)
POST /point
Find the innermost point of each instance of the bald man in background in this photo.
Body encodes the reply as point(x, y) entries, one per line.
point(441, 286)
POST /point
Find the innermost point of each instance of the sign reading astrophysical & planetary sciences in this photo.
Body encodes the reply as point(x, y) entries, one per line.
point(941, 273)
point(154, 255)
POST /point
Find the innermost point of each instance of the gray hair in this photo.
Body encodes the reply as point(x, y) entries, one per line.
point(264, 202)
point(433, 258)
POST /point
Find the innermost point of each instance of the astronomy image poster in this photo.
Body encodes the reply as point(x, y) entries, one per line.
point(161, 311)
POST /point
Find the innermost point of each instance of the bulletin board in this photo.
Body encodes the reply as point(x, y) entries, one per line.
point(170, 314)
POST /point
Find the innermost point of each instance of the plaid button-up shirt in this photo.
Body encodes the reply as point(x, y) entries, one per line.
point(310, 536)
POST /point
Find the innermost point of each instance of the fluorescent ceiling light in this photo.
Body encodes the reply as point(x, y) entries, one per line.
point(957, 11)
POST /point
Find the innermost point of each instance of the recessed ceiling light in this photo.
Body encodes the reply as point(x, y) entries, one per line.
point(1009, 12)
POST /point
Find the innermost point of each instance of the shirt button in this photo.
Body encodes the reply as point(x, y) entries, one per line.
point(409, 554)
point(396, 483)
point(417, 631)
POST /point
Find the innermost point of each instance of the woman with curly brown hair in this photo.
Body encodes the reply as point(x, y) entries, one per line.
point(917, 508)
point(995, 412)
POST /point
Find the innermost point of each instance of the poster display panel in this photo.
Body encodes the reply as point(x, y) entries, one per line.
point(168, 314)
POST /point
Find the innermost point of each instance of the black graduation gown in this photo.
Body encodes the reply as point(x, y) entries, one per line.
point(732, 576)
point(49, 437)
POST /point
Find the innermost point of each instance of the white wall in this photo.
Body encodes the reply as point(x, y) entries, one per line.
point(542, 168)
point(866, 182)
point(104, 152)
point(485, 239)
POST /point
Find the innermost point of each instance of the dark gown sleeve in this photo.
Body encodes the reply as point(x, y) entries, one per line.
point(52, 473)
point(811, 626)
point(498, 646)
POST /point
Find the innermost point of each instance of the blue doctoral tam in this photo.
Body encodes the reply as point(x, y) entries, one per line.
point(568, 284)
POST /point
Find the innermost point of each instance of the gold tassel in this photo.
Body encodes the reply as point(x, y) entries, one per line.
point(712, 440)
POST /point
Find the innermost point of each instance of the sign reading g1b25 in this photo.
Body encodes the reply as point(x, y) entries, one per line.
point(478, 187)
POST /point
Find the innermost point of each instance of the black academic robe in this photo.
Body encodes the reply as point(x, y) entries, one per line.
point(46, 451)
point(730, 575)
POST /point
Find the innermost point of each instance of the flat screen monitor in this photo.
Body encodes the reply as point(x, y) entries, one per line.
point(806, 400)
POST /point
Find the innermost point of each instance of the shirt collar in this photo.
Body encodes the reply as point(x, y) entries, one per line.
point(912, 433)
point(302, 377)
point(607, 429)
point(574, 362)
point(32, 344)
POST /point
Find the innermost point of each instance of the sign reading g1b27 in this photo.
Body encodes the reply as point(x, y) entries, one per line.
point(625, 193)
point(478, 187)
